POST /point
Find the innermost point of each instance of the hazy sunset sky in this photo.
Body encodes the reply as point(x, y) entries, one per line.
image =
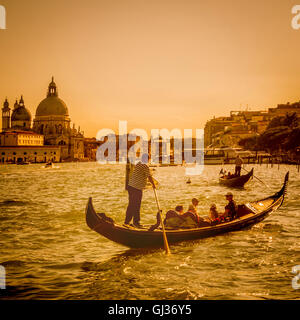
point(155, 63)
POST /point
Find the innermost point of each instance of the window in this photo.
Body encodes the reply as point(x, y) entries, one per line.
point(59, 129)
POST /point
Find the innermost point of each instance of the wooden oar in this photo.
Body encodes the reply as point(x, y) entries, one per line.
point(162, 223)
point(257, 178)
point(149, 185)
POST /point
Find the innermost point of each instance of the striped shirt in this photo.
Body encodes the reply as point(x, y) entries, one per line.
point(140, 174)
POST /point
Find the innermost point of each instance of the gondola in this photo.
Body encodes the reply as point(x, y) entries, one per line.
point(248, 215)
point(22, 163)
point(236, 182)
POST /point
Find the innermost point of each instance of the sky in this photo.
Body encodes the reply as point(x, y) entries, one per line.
point(155, 63)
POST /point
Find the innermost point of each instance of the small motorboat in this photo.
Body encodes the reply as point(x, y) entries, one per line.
point(50, 165)
point(236, 181)
point(248, 214)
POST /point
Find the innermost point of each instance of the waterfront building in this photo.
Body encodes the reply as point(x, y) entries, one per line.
point(283, 109)
point(21, 138)
point(242, 124)
point(53, 121)
point(19, 119)
point(214, 127)
point(90, 148)
point(51, 131)
point(26, 146)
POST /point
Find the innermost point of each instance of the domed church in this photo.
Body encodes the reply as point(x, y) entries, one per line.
point(21, 117)
point(52, 121)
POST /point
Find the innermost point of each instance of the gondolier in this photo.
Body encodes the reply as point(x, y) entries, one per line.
point(136, 183)
point(238, 165)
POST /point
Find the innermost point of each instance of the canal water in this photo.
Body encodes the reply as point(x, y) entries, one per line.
point(49, 252)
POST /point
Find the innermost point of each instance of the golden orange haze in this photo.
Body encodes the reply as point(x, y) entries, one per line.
point(154, 63)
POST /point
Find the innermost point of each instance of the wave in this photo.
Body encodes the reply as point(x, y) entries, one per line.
point(19, 292)
point(273, 227)
point(13, 263)
point(7, 203)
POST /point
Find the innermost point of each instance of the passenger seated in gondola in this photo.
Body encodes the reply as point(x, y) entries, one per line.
point(192, 212)
point(213, 213)
point(187, 220)
point(179, 209)
point(173, 219)
point(195, 203)
point(226, 176)
point(192, 218)
point(224, 173)
point(231, 208)
point(214, 216)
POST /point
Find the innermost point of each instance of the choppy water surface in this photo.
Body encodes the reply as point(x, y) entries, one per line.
point(50, 253)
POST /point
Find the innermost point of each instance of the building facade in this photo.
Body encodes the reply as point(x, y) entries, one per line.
point(283, 109)
point(30, 154)
point(53, 121)
point(51, 129)
point(21, 138)
point(243, 124)
point(25, 146)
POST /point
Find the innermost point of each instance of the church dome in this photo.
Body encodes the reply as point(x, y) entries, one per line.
point(21, 113)
point(52, 105)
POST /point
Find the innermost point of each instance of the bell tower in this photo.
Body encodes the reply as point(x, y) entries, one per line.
point(52, 89)
point(5, 116)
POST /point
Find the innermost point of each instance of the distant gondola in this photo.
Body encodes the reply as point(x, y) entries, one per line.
point(248, 215)
point(236, 181)
point(22, 163)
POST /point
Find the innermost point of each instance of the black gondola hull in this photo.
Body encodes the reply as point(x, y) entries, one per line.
point(237, 182)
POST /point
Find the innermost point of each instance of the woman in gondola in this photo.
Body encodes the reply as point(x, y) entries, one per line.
point(213, 213)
